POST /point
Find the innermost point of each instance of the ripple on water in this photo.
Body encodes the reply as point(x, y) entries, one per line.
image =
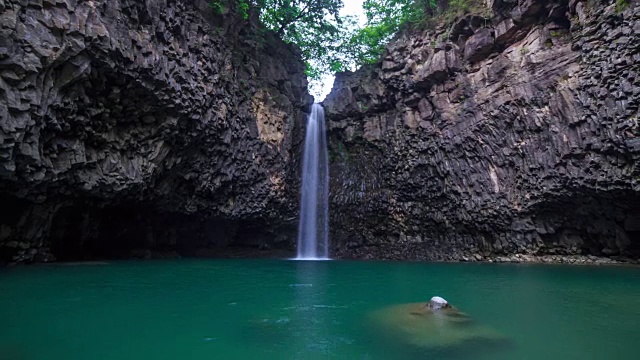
point(330, 306)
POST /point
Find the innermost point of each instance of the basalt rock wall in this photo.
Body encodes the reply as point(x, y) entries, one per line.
point(130, 124)
point(512, 133)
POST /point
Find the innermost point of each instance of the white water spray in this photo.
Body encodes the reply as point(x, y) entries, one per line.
point(313, 230)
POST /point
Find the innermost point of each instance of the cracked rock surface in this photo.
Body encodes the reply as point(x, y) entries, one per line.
point(512, 133)
point(130, 124)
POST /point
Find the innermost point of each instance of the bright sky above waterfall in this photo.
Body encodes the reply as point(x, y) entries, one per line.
point(321, 88)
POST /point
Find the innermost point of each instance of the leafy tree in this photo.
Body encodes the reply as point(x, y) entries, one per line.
point(364, 45)
point(314, 25)
point(386, 17)
point(288, 17)
point(331, 43)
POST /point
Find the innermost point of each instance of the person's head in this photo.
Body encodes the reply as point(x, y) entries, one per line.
point(437, 303)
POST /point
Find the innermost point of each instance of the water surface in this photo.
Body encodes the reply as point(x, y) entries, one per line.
point(269, 309)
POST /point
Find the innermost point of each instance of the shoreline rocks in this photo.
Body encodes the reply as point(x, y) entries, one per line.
point(376, 254)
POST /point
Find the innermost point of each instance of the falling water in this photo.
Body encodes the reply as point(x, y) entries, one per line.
point(313, 230)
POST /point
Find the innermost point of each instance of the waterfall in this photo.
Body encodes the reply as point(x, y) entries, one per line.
point(313, 230)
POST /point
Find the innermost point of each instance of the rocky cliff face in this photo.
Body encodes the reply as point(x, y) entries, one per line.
point(131, 124)
point(514, 132)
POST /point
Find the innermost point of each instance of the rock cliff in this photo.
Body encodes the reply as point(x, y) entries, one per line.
point(130, 124)
point(512, 134)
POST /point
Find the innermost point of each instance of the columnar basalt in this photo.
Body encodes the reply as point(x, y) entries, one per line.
point(143, 124)
point(511, 134)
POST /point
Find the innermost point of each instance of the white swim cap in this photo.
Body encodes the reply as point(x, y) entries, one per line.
point(437, 302)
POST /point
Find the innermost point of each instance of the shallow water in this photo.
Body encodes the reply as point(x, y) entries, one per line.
point(269, 309)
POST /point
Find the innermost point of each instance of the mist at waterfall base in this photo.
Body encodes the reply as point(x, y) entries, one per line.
point(313, 229)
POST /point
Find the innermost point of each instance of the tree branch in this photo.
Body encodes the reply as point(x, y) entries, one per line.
point(285, 24)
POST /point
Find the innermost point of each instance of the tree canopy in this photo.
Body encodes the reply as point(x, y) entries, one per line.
point(330, 42)
point(314, 25)
point(384, 18)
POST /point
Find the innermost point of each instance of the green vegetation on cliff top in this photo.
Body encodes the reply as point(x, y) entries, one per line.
point(332, 43)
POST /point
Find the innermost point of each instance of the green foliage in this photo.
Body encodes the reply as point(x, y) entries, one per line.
point(386, 17)
point(314, 25)
point(243, 8)
point(331, 43)
point(221, 7)
point(217, 6)
point(621, 5)
point(457, 8)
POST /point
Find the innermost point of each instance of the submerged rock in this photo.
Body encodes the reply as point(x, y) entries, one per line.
point(434, 324)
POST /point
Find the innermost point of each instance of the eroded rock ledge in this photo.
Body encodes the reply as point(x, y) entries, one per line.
point(511, 133)
point(131, 124)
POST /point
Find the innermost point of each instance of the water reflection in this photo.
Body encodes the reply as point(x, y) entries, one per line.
point(299, 327)
point(310, 318)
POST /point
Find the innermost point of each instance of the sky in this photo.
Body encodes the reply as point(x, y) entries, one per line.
point(322, 87)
